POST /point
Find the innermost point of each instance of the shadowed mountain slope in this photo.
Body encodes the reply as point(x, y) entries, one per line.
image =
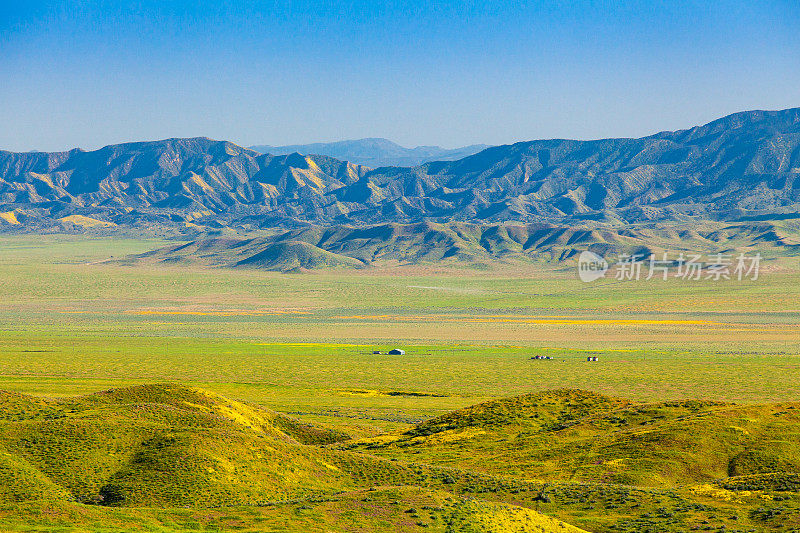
point(169, 183)
point(746, 164)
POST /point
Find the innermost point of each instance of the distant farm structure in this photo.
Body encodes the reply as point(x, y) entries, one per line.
point(397, 351)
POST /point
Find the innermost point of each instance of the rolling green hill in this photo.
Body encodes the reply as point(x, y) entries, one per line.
point(111, 457)
point(171, 458)
point(580, 436)
point(428, 242)
point(160, 446)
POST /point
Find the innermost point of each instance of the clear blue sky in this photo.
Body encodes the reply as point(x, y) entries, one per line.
point(89, 73)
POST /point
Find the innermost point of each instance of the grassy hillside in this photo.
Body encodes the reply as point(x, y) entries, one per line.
point(167, 446)
point(464, 244)
point(579, 436)
point(375, 510)
point(171, 458)
point(163, 445)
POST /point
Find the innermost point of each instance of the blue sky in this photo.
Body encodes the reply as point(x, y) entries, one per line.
point(91, 73)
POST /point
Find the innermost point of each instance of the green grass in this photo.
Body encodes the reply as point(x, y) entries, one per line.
point(74, 325)
point(169, 458)
point(167, 446)
point(569, 435)
point(385, 509)
point(301, 345)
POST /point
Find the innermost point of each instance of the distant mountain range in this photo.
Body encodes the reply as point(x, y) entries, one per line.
point(375, 153)
point(746, 165)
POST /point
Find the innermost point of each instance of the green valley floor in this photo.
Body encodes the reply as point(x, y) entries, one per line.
point(153, 398)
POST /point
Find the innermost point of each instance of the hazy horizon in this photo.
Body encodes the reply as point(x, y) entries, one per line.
point(407, 146)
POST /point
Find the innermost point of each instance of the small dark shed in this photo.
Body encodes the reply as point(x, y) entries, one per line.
point(397, 351)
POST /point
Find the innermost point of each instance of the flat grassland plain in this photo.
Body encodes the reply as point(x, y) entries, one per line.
point(301, 344)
